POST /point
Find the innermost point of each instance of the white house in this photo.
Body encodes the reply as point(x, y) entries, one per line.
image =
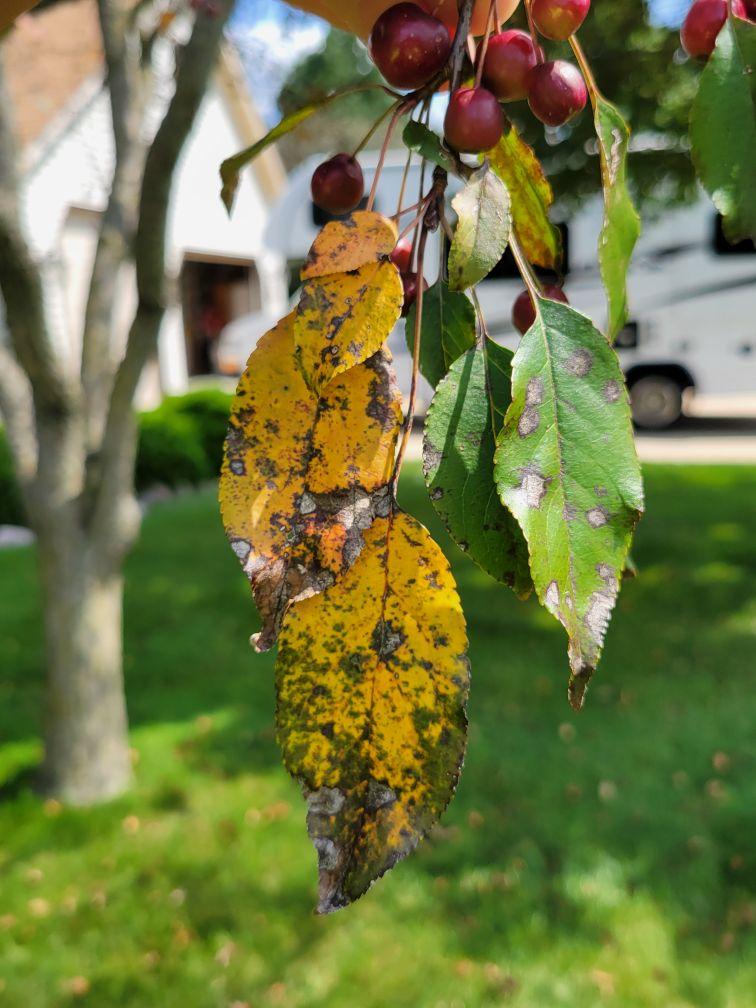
point(221, 266)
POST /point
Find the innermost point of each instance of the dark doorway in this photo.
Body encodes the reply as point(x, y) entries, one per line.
point(213, 293)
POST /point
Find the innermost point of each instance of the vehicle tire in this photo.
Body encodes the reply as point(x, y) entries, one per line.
point(656, 402)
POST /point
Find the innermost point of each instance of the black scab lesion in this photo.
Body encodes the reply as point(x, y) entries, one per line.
point(611, 391)
point(237, 467)
point(386, 638)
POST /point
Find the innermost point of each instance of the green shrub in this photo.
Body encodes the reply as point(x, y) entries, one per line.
point(179, 442)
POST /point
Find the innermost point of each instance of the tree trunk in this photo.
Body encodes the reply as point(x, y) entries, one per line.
point(86, 733)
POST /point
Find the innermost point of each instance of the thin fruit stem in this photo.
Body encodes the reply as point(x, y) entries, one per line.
point(528, 276)
point(417, 332)
point(585, 69)
point(376, 125)
point(532, 29)
point(415, 220)
point(398, 111)
point(405, 176)
point(481, 56)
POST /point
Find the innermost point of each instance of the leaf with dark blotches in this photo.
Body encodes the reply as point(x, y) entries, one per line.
point(517, 166)
point(458, 461)
point(483, 226)
point(342, 245)
point(372, 681)
point(723, 128)
point(447, 330)
point(302, 476)
point(567, 468)
point(621, 225)
point(344, 318)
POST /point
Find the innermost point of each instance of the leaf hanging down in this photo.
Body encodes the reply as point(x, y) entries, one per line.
point(423, 141)
point(344, 318)
point(231, 168)
point(566, 467)
point(447, 330)
point(303, 478)
point(458, 461)
point(621, 226)
point(723, 128)
point(341, 246)
point(518, 167)
point(482, 231)
point(372, 681)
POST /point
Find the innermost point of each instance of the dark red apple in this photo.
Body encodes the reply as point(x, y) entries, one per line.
point(473, 121)
point(556, 92)
point(408, 45)
point(409, 283)
point(703, 24)
point(523, 310)
point(510, 57)
point(337, 184)
point(558, 19)
point(401, 257)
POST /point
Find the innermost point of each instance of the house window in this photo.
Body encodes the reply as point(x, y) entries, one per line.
point(506, 268)
point(725, 248)
point(213, 293)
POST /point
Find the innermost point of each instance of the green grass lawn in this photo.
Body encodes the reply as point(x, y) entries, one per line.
point(600, 859)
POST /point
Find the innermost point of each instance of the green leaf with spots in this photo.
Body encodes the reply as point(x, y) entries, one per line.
point(423, 141)
point(447, 329)
point(723, 128)
point(458, 462)
point(518, 167)
point(621, 226)
point(483, 226)
point(566, 467)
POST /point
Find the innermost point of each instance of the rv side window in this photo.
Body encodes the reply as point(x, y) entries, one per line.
point(321, 217)
point(724, 248)
point(506, 268)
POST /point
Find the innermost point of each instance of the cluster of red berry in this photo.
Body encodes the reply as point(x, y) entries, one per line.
point(704, 22)
point(411, 47)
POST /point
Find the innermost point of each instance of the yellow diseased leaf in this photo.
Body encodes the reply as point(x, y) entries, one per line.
point(364, 237)
point(343, 318)
point(372, 681)
point(303, 477)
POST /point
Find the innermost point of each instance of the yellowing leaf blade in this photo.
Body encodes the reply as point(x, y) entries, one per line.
point(344, 318)
point(303, 477)
point(344, 245)
point(483, 227)
point(372, 681)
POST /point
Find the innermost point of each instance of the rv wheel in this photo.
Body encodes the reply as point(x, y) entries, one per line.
point(656, 402)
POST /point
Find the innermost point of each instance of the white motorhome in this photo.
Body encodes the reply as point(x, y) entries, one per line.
point(692, 328)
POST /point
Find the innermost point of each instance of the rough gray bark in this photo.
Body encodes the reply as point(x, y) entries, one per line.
point(72, 431)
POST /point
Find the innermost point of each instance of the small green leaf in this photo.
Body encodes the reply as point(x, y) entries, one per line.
point(447, 330)
point(231, 167)
point(458, 452)
point(621, 227)
point(566, 467)
point(517, 166)
point(483, 227)
point(723, 128)
point(418, 138)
